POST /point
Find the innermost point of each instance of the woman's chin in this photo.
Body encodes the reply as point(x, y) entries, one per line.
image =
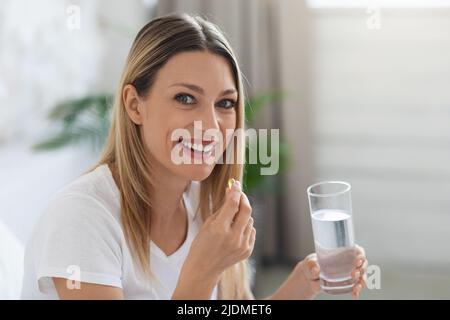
point(196, 172)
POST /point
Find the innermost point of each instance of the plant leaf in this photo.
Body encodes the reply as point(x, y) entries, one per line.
point(254, 105)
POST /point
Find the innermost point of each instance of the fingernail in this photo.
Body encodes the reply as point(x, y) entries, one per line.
point(231, 181)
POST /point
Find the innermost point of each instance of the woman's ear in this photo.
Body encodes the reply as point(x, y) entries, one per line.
point(133, 104)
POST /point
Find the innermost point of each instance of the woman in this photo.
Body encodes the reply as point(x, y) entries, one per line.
point(140, 225)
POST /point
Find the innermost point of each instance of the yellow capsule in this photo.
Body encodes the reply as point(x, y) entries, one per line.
point(230, 183)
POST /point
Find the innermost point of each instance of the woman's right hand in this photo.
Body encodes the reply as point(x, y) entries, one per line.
point(225, 238)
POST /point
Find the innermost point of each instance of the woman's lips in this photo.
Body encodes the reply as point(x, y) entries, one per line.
point(199, 149)
point(197, 141)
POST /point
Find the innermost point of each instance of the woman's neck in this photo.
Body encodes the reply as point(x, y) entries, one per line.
point(169, 223)
point(167, 196)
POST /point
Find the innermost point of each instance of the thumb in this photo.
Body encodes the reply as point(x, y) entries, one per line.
point(311, 268)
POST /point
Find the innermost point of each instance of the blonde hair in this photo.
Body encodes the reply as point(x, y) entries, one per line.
point(153, 46)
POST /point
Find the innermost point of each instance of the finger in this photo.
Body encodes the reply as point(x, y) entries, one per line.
point(362, 269)
point(248, 230)
point(210, 218)
point(357, 290)
point(313, 268)
point(356, 274)
point(231, 204)
point(365, 265)
point(360, 251)
point(315, 273)
point(252, 238)
point(315, 285)
point(363, 281)
point(243, 215)
point(311, 257)
point(248, 239)
point(360, 284)
point(359, 261)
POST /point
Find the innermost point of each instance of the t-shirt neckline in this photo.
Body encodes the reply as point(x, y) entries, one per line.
point(179, 253)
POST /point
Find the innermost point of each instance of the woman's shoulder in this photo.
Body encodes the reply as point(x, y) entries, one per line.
point(88, 197)
point(77, 228)
point(96, 184)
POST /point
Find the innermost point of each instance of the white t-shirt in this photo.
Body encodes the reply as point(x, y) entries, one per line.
point(80, 236)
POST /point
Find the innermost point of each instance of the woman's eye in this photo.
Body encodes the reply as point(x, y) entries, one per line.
point(226, 104)
point(185, 98)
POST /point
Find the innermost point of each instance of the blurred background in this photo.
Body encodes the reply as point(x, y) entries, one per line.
point(366, 99)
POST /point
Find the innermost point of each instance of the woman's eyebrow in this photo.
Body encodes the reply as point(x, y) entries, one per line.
point(200, 90)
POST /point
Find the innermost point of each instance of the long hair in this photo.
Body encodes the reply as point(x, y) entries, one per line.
point(154, 45)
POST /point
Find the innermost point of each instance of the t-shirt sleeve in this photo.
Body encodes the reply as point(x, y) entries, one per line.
point(79, 240)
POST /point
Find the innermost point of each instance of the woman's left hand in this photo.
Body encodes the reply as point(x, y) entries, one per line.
point(304, 283)
point(359, 272)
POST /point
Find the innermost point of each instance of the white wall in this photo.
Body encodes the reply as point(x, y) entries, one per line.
point(381, 107)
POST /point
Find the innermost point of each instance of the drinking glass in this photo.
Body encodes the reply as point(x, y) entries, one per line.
point(331, 216)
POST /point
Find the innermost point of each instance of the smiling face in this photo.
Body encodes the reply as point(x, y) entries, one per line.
point(190, 87)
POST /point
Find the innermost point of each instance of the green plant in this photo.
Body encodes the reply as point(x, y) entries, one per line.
point(253, 179)
point(83, 120)
point(87, 120)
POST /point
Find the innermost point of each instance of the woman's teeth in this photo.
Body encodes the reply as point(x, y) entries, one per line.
point(197, 146)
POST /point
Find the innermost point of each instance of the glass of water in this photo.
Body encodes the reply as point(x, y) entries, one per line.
point(331, 215)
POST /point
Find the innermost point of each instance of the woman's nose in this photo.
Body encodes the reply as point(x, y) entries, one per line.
point(210, 119)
